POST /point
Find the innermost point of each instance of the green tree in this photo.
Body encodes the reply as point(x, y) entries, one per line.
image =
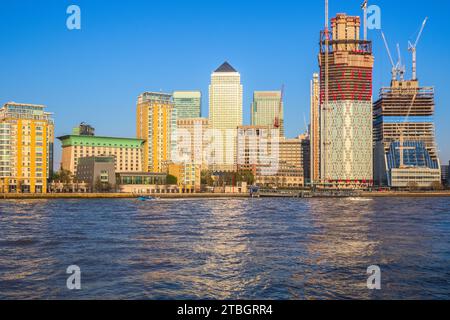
point(206, 178)
point(64, 176)
point(172, 180)
point(246, 176)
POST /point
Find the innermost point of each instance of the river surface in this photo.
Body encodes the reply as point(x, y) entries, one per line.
point(225, 248)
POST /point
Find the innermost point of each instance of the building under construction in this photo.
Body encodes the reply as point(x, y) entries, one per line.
point(404, 136)
point(346, 64)
point(404, 133)
point(315, 131)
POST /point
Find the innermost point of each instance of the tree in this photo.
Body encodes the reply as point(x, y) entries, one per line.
point(64, 176)
point(206, 178)
point(413, 186)
point(98, 186)
point(172, 180)
point(437, 186)
point(245, 176)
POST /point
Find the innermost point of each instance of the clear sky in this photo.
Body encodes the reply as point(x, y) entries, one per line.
point(127, 47)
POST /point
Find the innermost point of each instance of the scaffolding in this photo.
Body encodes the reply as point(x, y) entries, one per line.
point(405, 111)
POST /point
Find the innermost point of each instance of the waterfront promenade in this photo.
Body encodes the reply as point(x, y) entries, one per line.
point(388, 194)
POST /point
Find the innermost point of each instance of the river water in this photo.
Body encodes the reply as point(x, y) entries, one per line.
point(226, 248)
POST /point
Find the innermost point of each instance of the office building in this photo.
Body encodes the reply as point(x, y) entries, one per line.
point(306, 157)
point(191, 142)
point(346, 64)
point(156, 123)
point(267, 110)
point(444, 174)
point(26, 148)
point(188, 104)
point(274, 161)
point(225, 115)
point(98, 172)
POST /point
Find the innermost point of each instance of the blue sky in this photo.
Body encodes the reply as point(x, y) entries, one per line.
point(128, 47)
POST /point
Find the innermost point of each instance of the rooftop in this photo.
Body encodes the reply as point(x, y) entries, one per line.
point(225, 67)
point(97, 141)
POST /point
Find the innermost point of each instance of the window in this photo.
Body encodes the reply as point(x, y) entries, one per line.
point(104, 177)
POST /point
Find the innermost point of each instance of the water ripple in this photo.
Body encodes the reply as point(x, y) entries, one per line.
point(225, 248)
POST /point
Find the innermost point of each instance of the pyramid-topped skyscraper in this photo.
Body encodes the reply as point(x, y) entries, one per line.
point(225, 115)
point(225, 67)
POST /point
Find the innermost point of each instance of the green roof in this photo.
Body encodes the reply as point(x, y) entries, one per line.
point(94, 141)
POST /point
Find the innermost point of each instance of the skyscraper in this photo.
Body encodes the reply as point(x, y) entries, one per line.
point(156, 124)
point(225, 115)
point(26, 148)
point(404, 136)
point(315, 130)
point(267, 110)
point(346, 105)
point(188, 104)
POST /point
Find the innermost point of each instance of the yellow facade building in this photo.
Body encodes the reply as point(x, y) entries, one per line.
point(156, 123)
point(26, 148)
point(188, 176)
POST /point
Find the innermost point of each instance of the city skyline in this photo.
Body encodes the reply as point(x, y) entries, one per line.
point(75, 99)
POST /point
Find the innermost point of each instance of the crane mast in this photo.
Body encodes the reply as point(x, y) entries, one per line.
point(413, 49)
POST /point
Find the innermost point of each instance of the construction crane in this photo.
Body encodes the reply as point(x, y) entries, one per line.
point(400, 66)
point(398, 70)
point(364, 8)
point(412, 48)
point(394, 69)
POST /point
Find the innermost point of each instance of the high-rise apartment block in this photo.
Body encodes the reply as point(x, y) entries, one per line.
point(225, 115)
point(26, 148)
point(188, 104)
point(267, 110)
point(346, 64)
point(156, 123)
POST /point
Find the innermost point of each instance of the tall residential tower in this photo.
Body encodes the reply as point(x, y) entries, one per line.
point(346, 64)
point(156, 124)
point(26, 148)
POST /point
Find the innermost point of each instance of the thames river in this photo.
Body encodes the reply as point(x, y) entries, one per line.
point(225, 248)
